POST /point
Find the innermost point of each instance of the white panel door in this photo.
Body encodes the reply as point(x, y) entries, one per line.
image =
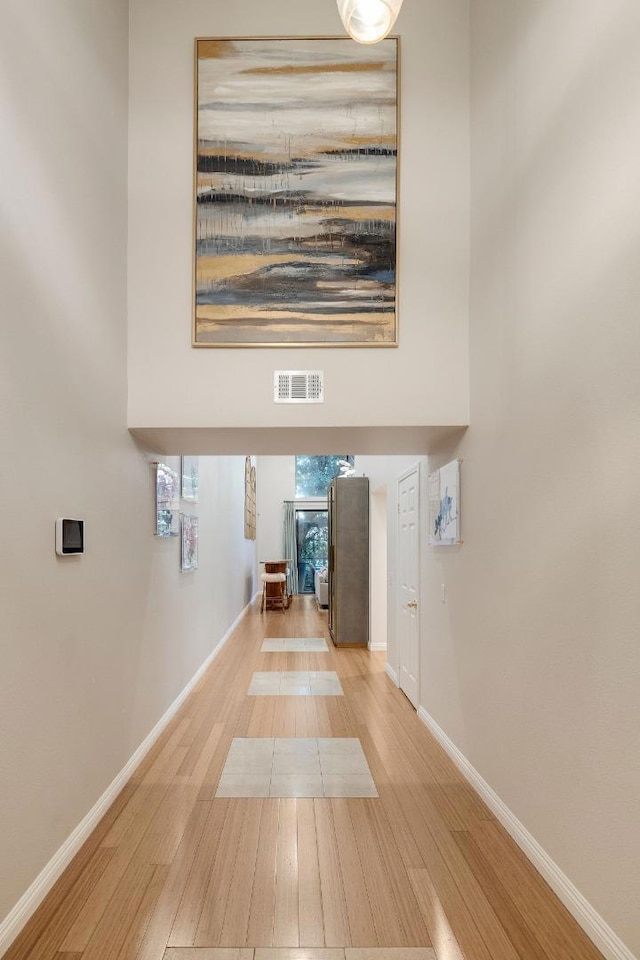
point(408, 613)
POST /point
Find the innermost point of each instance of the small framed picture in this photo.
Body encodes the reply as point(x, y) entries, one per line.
point(167, 501)
point(249, 499)
point(444, 505)
point(190, 476)
point(189, 530)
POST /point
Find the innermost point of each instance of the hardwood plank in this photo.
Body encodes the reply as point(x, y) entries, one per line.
point(521, 935)
point(95, 905)
point(285, 717)
point(452, 878)
point(165, 831)
point(156, 937)
point(384, 910)
point(322, 714)
point(244, 714)
point(310, 704)
point(309, 894)
point(263, 892)
point(286, 931)
point(361, 925)
point(216, 898)
point(402, 834)
point(112, 929)
point(418, 765)
point(413, 925)
point(197, 762)
point(165, 767)
point(555, 928)
point(45, 933)
point(440, 930)
point(334, 906)
point(470, 807)
point(301, 724)
point(211, 777)
point(261, 723)
point(440, 891)
point(337, 723)
point(142, 917)
point(128, 815)
point(185, 925)
point(236, 917)
point(448, 867)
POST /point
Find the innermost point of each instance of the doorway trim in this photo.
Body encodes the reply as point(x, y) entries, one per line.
point(378, 572)
point(415, 469)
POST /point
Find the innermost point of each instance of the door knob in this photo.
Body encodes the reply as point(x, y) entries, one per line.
point(412, 603)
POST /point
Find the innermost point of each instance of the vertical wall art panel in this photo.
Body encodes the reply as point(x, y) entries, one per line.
point(167, 501)
point(295, 192)
point(189, 551)
point(444, 504)
point(190, 478)
point(250, 512)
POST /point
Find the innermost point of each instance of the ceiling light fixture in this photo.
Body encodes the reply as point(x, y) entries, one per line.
point(368, 21)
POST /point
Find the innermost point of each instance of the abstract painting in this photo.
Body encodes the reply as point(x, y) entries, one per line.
point(190, 478)
point(444, 504)
point(250, 513)
point(167, 501)
point(189, 553)
point(295, 192)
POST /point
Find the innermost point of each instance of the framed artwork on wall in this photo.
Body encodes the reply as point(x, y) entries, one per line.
point(444, 505)
point(249, 499)
point(167, 501)
point(189, 541)
point(190, 476)
point(295, 192)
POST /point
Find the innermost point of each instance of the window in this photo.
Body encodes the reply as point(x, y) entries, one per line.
point(312, 536)
point(314, 474)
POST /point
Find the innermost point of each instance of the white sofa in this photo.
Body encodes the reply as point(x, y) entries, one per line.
point(321, 587)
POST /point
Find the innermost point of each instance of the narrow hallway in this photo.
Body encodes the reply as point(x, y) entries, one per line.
point(423, 867)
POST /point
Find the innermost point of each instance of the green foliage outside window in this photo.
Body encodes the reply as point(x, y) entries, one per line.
point(314, 474)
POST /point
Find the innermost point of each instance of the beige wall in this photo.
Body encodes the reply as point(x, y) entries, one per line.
point(93, 649)
point(533, 666)
point(276, 483)
point(424, 380)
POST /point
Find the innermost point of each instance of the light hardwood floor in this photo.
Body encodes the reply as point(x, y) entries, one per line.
point(424, 865)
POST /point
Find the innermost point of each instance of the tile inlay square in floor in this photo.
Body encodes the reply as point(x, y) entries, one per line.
point(294, 645)
point(295, 683)
point(296, 767)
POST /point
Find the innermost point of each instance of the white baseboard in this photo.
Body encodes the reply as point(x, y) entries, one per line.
point(378, 646)
point(31, 900)
point(394, 676)
point(605, 939)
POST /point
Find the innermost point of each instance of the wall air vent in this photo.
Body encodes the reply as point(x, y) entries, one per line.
point(298, 386)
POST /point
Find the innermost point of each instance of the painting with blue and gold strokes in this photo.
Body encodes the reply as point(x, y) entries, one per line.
point(295, 192)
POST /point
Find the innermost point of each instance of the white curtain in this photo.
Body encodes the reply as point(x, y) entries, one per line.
point(289, 545)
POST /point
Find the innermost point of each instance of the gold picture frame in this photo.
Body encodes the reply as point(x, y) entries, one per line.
point(295, 192)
